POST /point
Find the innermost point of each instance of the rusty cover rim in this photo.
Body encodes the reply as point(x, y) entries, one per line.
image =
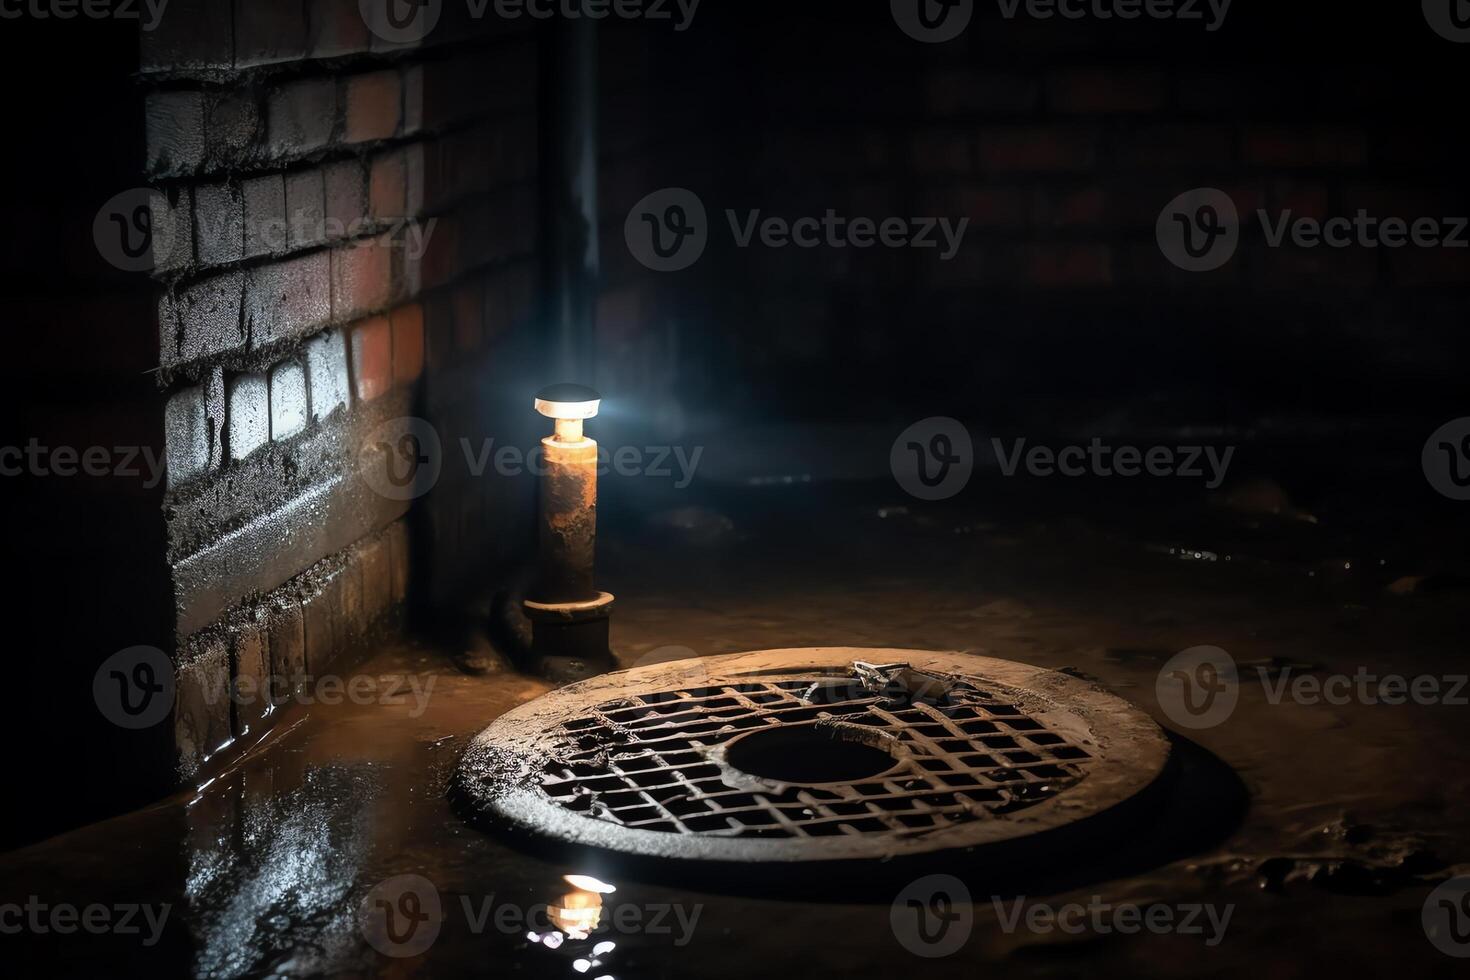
point(505, 772)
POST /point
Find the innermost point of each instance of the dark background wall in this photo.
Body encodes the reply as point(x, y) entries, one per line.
point(1061, 141)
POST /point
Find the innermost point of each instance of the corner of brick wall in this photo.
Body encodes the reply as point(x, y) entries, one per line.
point(353, 232)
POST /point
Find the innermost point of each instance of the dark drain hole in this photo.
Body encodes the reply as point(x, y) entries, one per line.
point(806, 754)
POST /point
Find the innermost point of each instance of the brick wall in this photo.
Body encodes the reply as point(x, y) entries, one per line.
point(354, 231)
point(1061, 141)
point(344, 235)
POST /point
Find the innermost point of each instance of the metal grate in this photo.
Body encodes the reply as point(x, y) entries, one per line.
point(651, 762)
point(816, 755)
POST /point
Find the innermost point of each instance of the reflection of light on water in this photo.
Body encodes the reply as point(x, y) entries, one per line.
point(588, 883)
point(577, 913)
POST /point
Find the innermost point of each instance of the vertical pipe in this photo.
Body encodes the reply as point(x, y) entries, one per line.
point(569, 196)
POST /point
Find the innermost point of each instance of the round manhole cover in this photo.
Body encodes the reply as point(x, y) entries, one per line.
point(812, 755)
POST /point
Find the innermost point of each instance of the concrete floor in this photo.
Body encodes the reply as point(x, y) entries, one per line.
point(1355, 812)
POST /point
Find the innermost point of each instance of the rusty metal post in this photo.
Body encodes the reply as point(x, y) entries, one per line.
point(569, 616)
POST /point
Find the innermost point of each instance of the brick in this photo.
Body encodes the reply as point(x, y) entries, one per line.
point(190, 34)
point(219, 224)
point(941, 152)
point(1305, 146)
point(265, 215)
point(269, 32)
point(300, 116)
point(186, 437)
point(335, 28)
point(320, 615)
point(326, 369)
point(202, 705)
point(441, 259)
point(288, 299)
point(374, 106)
point(288, 400)
point(232, 125)
point(1044, 149)
point(1305, 199)
point(344, 591)
point(346, 189)
point(413, 161)
point(1160, 147)
point(1105, 90)
point(249, 414)
point(1069, 265)
point(306, 208)
point(469, 314)
point(408, 343)
point(953, 91)
point(372, 358)
point(174, 122)
point(413, 99)
point(1061, 207)
point(397, 538)
point(202, 320)
point(361, 279)
point(999, 206)
point(286, 636)
point(439, 353)
point(172, 236)
point(387, 186)
point(1430, 266)
point(375, 559)
point(251, 668)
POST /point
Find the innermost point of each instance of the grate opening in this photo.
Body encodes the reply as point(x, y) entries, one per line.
point(807, 754)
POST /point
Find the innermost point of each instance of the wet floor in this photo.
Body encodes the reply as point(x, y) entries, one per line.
point(1355, 812)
